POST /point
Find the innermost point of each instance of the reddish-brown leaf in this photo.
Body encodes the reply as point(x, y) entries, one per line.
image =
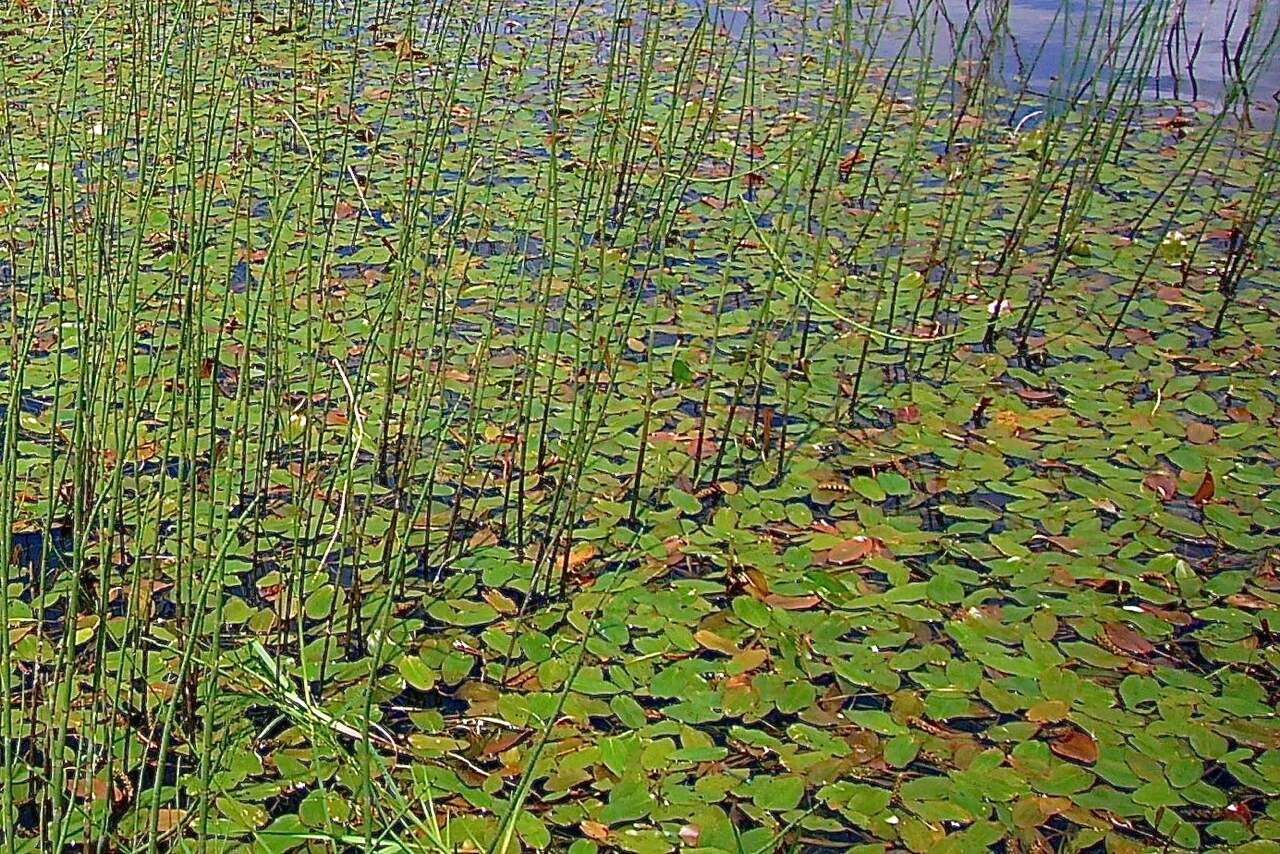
point(1249, 601)
point(850, 160)
point(1077, 745)
point(1138, 336)
point(1206, 489)
point(1176, 618)
point(1239, 811)
point(91, 789)
point(689, 835)
point(1175, 121)
point(666, 436)
point(1127, 639)
point(1161, 484)
point(908, 414)
point(1071, 545)
point(852, 550)
point(702, 448)
point(503, 743)
point(791, 603)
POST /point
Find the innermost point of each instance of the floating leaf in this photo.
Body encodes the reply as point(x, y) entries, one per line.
point(594, 830)
point(1126, 639)
point(1076, 744)
point(463, 612)
point(505, 742)
point(1204, 492)
point(1164, 486)
point(778, 793)
point(792, 603)
point(628, 801)
point(1200, 433)
point(852, 550)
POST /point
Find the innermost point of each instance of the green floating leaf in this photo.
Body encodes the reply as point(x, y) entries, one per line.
point(629, 800)
point(462, 612)
point(777, 793)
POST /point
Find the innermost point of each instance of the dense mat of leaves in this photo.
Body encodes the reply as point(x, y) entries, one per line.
point(695, 428)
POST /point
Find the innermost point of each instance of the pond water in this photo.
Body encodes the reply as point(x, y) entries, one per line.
point(1204, 45)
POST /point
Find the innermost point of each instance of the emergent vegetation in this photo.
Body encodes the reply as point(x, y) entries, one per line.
point(442, 425)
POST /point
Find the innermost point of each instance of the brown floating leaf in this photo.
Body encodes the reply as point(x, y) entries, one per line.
point(1077, 745)
point(503, 743)
point(1138, 336)
point(1127, 639)
point(1249, 601)
point(1161, 484)
point(1205, 490)
point(852, 549)
point(1176, 618)
point(580, 555)
point(594, 830)
point(90, 789)
point(689, 834)
point(482, 537)
point(119, 790)
point(168, 819)
point(1200, 433)
point(853, 158)
point(1071, 545)
point(792, 603)
point(702, 448)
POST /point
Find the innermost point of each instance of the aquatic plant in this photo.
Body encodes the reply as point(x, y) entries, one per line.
point(438, 426)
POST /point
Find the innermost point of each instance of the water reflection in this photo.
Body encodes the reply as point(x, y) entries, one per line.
point(1202, 47)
